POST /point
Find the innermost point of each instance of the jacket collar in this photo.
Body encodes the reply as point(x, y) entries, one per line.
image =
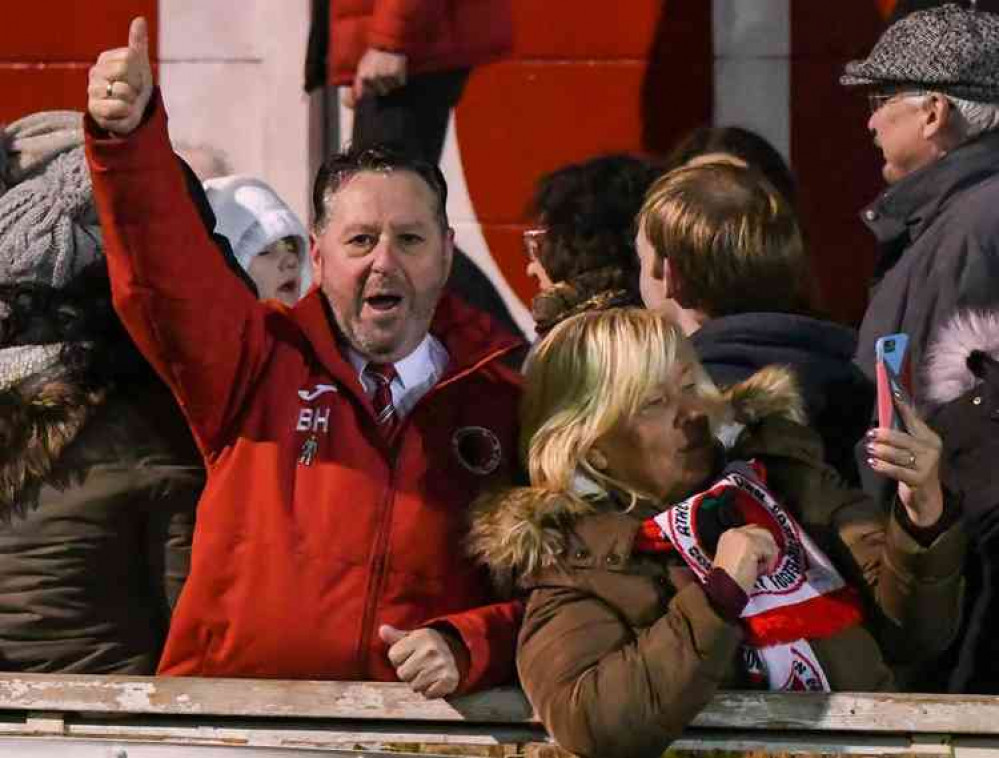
point(471, 337)
point(912, 204)
point(765, 332)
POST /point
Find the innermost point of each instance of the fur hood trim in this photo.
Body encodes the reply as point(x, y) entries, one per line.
point(771, 392)
point(38, 420)
point(948, 373)
point(520, 531)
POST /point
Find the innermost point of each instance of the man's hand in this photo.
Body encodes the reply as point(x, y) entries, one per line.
point(121, 83)
point(423, 659)
point(378, 73)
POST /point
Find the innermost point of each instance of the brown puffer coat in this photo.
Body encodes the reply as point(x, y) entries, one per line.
point(97, 504)
point(619, 651)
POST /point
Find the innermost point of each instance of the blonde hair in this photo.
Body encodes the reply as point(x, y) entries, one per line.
point(732, 240)
point(589, 373)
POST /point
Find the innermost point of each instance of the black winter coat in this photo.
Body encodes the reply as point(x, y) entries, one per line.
point(97, 502)
point(962, 381)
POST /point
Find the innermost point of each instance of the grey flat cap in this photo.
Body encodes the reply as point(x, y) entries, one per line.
point(949, 49)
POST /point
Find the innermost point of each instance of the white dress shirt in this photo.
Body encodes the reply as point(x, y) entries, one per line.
point(416, 374)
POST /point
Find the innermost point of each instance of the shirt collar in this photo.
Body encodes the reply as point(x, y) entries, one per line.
point(411, 370)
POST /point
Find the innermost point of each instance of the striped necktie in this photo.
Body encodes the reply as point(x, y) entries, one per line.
point(382, 374)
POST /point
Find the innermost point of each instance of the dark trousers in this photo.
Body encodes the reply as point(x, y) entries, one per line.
point(414, 117)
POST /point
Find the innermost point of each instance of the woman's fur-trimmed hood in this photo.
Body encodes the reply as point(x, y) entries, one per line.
point(520, 531)
point(54, 430)
point(39, 418)
point(950, 360)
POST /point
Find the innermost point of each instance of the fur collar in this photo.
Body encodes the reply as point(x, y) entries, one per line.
point(39, 418)
point(521, 531)
point(948, 372)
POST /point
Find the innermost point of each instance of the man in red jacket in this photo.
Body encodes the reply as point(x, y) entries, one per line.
point(343, 437)
point(404, 62)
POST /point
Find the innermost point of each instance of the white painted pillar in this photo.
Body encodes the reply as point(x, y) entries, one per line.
point(752, 45)
point(231, 74)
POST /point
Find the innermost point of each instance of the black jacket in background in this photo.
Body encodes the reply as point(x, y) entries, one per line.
point(962, 379)
point(838, 398)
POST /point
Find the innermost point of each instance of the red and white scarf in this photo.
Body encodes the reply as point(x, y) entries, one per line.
point(803, 598)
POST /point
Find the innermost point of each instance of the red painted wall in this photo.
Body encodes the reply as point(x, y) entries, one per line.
point(583, 80)
point(46, 49)
point(587, 79)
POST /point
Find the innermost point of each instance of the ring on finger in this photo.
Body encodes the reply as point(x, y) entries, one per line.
point(911, 463)
point(109, 89)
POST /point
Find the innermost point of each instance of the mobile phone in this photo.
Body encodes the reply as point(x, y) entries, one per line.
point(893, 377)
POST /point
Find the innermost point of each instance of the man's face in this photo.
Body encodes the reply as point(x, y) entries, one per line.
point(382, 261)
point(898, 130)
point(652, 276)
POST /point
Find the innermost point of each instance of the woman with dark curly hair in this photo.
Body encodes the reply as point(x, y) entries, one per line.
point(98, 476)
point(582, 251)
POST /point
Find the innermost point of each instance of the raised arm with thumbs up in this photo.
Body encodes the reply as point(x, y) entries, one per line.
point(121, 83)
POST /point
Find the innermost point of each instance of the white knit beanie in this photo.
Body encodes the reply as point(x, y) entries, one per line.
point(252, 217)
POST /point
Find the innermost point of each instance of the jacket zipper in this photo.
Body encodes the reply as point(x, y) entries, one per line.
point(377, 568)
point(393, 450)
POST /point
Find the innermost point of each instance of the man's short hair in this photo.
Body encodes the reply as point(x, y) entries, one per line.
point(339, 168)
point(732, 240)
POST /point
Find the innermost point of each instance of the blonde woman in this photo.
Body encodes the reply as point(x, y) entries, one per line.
point(661, 565)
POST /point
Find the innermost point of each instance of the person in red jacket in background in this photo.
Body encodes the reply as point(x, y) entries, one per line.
point(404, 62)
point(344, 437)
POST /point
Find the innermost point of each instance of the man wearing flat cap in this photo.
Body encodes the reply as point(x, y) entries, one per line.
point(933, 84)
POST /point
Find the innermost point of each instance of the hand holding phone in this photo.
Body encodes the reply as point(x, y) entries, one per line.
point(893, 378)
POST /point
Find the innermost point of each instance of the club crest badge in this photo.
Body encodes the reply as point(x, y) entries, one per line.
point(477, 449)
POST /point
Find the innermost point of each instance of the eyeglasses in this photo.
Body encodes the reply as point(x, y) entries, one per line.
point(532, 242)
point(877, 100)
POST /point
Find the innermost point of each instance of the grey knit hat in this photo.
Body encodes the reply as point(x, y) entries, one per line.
point(949, 49)
point(31, 142)
point(48, 228)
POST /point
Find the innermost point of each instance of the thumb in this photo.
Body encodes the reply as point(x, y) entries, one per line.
point(390, 635)
point(138, 36)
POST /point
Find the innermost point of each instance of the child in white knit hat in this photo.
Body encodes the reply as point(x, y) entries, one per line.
point(267, 238)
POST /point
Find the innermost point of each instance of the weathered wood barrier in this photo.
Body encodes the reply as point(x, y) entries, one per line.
point(138, 717)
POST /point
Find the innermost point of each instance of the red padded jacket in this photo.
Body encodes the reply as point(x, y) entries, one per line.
point(298, 559)
point(436, 35)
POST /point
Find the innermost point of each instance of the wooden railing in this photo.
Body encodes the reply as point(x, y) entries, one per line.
point(137, 717)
